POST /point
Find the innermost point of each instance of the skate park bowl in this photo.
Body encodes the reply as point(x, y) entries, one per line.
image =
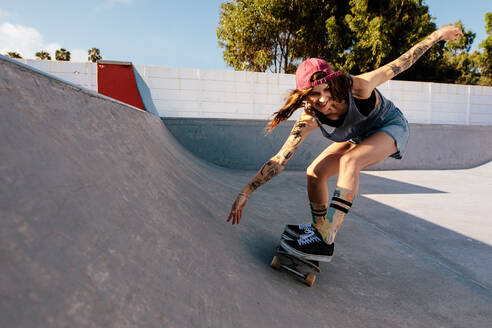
point(108, 221)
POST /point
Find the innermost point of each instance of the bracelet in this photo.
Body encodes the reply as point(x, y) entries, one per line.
point(244, 194)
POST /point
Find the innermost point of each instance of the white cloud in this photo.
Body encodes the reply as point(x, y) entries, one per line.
point(27, 41)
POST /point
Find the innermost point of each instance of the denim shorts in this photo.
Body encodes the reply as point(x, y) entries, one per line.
point(396, 126)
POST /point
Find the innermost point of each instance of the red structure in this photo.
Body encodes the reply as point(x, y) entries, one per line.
point(117, 80)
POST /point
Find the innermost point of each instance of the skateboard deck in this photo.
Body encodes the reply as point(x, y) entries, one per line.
point(298, 266)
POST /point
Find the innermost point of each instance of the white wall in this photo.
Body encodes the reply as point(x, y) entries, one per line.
point(186, 92)
point(83, 74)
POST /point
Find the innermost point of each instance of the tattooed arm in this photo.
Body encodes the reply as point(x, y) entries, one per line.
point(365, 83)
point(275, 165)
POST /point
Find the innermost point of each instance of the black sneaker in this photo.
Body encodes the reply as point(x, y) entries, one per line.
point(309, 246)
point(294, 231)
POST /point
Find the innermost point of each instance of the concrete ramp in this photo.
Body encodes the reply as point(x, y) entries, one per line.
point(106, 221)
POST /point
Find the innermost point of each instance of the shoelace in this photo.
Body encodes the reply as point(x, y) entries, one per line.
point(306, 226)
point(308, 238)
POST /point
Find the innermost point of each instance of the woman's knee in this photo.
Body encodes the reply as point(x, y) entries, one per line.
point(350, 162)
point(311, 172)
point(316, 173)
point(324, 167)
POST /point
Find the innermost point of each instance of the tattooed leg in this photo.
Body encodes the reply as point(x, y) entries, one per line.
point(326, 165)
point(323, 167)
point(328, 222)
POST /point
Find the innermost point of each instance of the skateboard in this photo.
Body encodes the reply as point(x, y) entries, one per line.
point(298, 266)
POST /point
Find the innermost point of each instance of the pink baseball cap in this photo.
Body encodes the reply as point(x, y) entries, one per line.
point(308, 68)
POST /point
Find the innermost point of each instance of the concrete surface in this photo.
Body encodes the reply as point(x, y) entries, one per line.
point(106, 221)
point(242, 144)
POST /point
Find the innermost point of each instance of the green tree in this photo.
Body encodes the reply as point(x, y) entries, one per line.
point(43, 55)
point(245, 33)
point(484, 60)
point(382, 30)
point(62, 55)
point(261, 35)
point(13, 54)
point(457, 64)
point(321, 30)
point(357, 35)
point(94, 55)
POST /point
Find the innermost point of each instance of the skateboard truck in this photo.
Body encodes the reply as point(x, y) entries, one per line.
point(298, 266)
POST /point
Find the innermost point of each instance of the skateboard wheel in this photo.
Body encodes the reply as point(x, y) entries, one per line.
point(275, 263)
point(310, 279)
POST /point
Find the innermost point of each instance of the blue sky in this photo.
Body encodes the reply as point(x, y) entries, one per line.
point(159, 33)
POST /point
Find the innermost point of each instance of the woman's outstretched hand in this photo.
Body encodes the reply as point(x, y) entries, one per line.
point(450, 33)
point(237, 208)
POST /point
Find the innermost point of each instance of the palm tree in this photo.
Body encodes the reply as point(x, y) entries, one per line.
point(43, 55)
point(94, 55)
point(14, 54)
point(62, 55)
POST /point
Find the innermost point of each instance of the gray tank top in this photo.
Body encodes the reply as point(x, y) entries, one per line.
point(355, 124)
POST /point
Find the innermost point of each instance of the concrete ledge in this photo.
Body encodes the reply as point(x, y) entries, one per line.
point(242, 144)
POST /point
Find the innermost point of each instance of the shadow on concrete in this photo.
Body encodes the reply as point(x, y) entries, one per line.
point(380, 185)
point(382, 254)
point(457, 252)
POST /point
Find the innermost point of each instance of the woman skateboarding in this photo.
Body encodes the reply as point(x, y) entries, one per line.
point(366, 128)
